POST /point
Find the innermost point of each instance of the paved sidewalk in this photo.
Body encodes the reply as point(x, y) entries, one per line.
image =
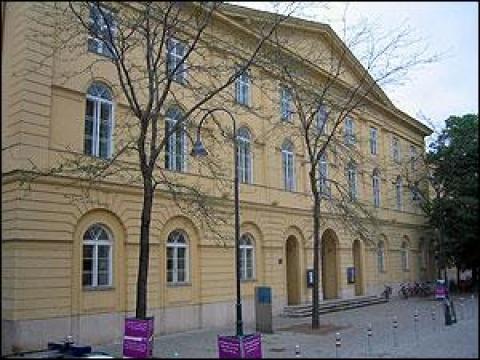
point(431, 340)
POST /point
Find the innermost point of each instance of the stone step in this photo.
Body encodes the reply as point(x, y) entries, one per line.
point(333, 302)
point(305, 310)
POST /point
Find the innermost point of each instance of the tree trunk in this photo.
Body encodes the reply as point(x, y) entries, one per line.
point(143, 260)
point(316, 251)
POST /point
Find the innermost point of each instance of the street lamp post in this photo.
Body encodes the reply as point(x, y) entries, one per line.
point(199, 150)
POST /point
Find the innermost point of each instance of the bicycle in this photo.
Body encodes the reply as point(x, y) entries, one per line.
point(403, 291)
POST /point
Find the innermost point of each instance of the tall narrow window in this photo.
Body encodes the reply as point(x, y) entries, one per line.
point(321, 118)
point(413, 157)
point(247, 257)
point(97, 257)
point(285, 104)
point(175, 53)
point(98, 121)
point(349, 131)
point(323, 175)
point(373, 141)
point(175, 152)
point(242, 89)
point(177, 257)
point(288, 166)
point(244, 156)
point(396, 149)
point(398, 192)
point(404, 256)
point(376, 188)
point(352, 180)
point(381, 256)
point(102, 31)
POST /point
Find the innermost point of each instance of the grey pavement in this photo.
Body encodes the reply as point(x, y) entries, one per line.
point(431, 339)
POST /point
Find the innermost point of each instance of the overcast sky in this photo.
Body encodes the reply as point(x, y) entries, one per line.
point(448, 87)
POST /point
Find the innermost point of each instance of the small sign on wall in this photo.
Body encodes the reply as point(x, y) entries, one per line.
point(350, 275)
point(309, 278)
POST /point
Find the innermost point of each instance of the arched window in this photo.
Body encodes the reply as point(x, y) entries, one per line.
point(244, 156)
point(381, 256)
point(323, 175)
point(176, 149)
point(376, 188)
point(97, 257)
point(177, 257)
point(98, 121)
point(398, 192)
point(352, 180)
point(404, 255)
point(247, 257)
point(288, 166)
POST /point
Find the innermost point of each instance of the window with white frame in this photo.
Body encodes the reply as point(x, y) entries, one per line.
point(396, 149)
point(323, 175)
point(352, 180)
point(242, 89)
point(247, 257)
point(98, 121)
point(381, 256)
point(176, 51)
point(321, 118)
point(398, 192)
point(244, 156)
point(177, 257)
point(102, 31)
point(97, 257)
point(349, 131)
point(373, 140)
point(376, 188)
point(413, 157)
point(404, 256)
point(288, 166)
point(176, 149)
point(285, 103)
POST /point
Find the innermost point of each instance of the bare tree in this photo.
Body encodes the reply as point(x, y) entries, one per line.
point(160, 53)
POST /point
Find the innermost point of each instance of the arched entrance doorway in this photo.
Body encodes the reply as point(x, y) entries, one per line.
point(329, 265)
point(357, 263)
point(293, 275)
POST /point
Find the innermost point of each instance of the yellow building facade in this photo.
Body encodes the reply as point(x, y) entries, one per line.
point(54, 240)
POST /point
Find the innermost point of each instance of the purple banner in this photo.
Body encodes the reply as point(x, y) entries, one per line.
point(233, 347)
point(252, 346)
point(138, 338)
point(228, 347)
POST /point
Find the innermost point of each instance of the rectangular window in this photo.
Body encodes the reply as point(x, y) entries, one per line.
point(321, 120)
point(376, 192)
point(396, 149)
point(373, 141)
point(352, 183)
point(288, 171)
point(242, 89)
point(175, 54)
point(285, 104)
point(175, 158)
point(349, 131)
point(413, 157)
point(102, 31)
point(323, 175)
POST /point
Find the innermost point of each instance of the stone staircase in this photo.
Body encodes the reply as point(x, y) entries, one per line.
point(305, 310)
